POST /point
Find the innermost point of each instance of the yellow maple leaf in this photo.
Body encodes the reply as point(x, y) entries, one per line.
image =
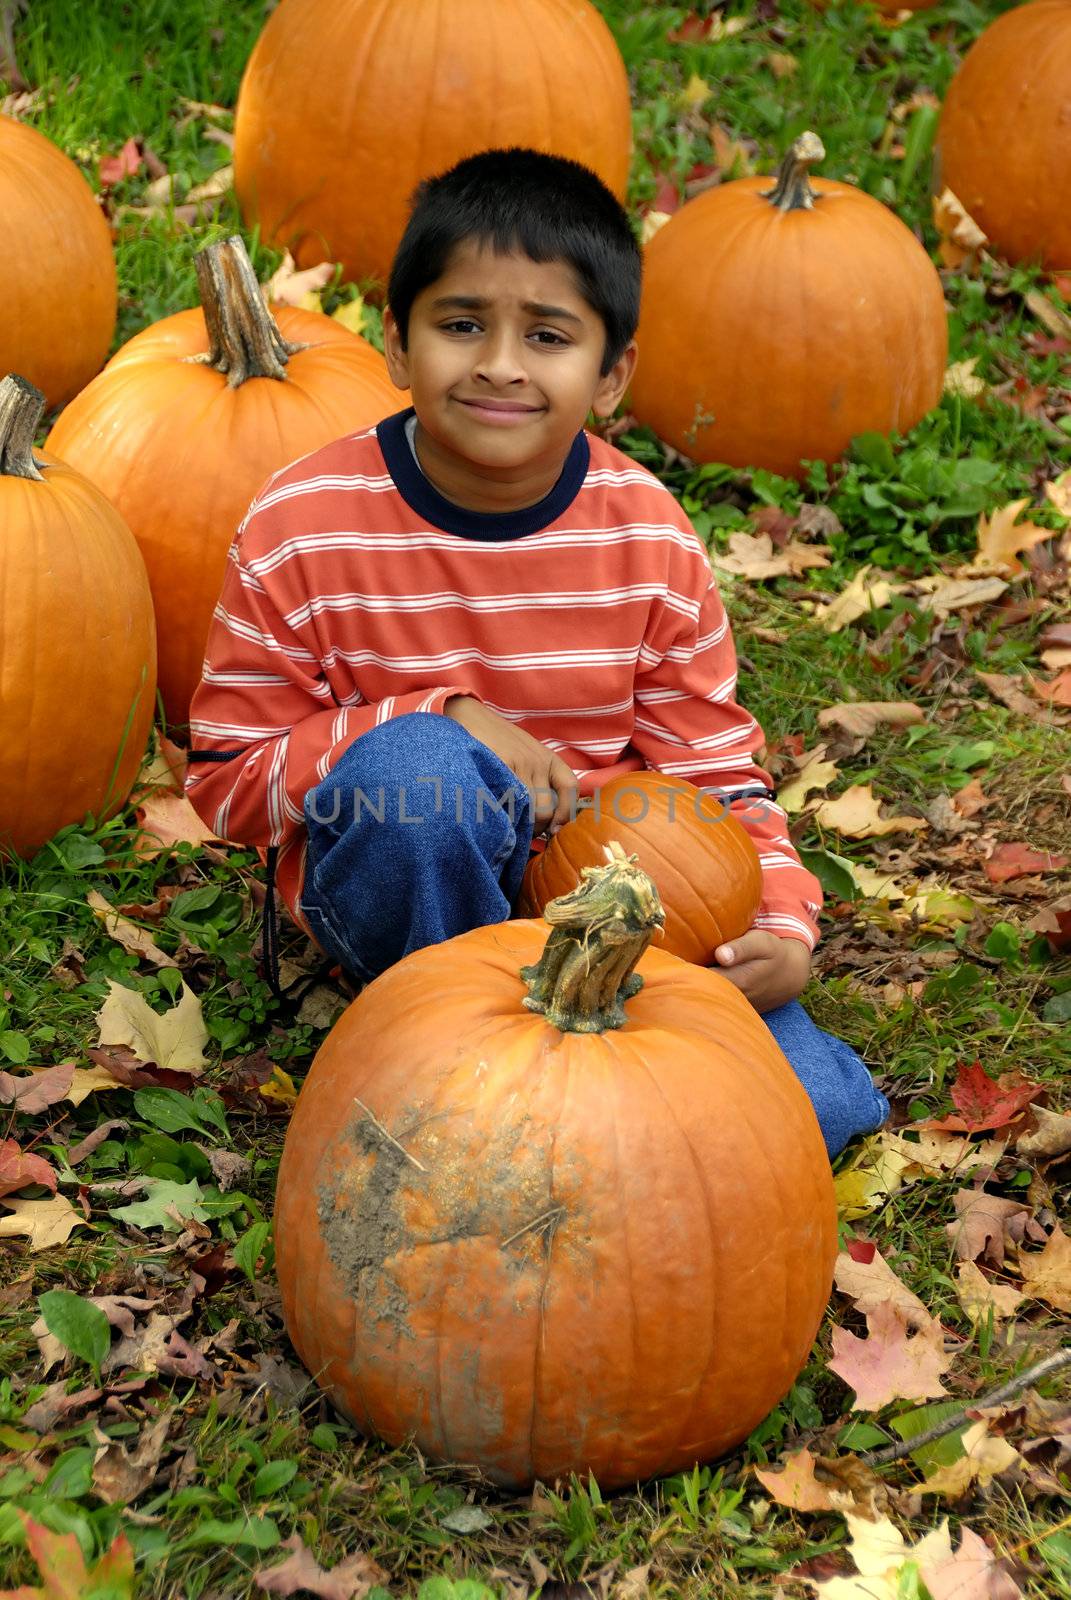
point(985, 1455)
point(1002, 537)
point(855, 814)
point(351, 315)
point(175, 1040)
point(696, 93)
point(43, 1222)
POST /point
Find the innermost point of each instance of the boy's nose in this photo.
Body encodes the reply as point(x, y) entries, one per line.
point(499, 363)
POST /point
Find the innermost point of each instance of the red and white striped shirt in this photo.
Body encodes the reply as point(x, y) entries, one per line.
point(355, 592)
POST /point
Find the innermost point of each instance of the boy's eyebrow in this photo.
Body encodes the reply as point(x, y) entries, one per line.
point(473, 302)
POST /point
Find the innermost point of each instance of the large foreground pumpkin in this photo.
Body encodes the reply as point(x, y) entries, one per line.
point(1004, 143)
point(347, 104)
point(57, 274)
point(702, 860)
point(780, 322)
point(190, 418)
point(542, 1231)
point(77, 643)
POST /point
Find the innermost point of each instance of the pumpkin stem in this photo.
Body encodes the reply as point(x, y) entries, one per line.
point(792, 191)
point(599, 932)
point(21, 406)
point(243, 337)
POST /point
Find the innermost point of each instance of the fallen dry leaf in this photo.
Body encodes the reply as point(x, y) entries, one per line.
point(175, 1040)
point(781, 64)
point(90, 1080)
point(864, 594)
point(891, 1363)
point(113, 169)
point(752, 555)
point(931, 1154)
point(166, 820)
point(1047, 1134)
point(865, 1277)
point(963, 243)
point(36, 1091)
point(826, 1483)
point(288, 286)
point(19, 1167)
point(961, 379)
point(1008, 690)
point(164, 766)
point(1002, 538)
point(983, 1103)
point(120, 1475)
point(214, 188)
point(1010, 861)
point(875, 885)
point(969, 800)
point(856, 815)
point(881, 1555)
point(980, 1296)
point(1057, 691)
point(43, 1222)
point(1047, 1273)
point(350, 1579)
point(133, 939)
point(1058, 493)
point(814, 777)
point(863, 717)
point(942, 594)
point(1048, 313)
point(985, 1456)
point(988, 1227)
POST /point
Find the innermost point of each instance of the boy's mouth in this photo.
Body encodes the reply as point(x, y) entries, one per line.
point(500, 413)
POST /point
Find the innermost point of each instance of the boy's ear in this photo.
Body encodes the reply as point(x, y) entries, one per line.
point(613, 385)
point(394, 351)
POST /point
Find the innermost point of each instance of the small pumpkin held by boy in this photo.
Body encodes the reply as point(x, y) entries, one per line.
point(470, 638)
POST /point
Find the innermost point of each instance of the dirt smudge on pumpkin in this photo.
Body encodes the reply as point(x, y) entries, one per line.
point(437, 1185)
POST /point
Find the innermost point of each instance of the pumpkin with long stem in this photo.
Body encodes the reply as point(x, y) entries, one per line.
point(555, 1205)
point(57, 279)
point(77, 641)
point(189, 420)
point(702, 860)
point(346, 105)
point(779, 322)
point(1004, 141)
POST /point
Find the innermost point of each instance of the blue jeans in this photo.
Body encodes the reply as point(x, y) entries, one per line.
point(419, 832)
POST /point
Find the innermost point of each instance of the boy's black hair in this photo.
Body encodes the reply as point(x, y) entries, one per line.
point(544, 207)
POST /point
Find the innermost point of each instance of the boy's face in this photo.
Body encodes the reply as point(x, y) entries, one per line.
point(503, 360)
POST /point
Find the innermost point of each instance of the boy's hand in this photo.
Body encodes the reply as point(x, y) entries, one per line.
point(538, 768)
point(768, 970)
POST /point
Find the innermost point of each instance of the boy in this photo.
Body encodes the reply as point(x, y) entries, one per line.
point(433, 634)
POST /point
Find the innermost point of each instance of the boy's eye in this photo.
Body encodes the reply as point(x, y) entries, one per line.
point(549, 336)
point(461, 325)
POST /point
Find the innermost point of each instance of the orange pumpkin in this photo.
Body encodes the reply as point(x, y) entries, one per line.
point(190, 418)
point(77, 642)
point(57, 280)
point(586, 1228)
point(703, 863)
point(347, 104)
point(1004, 142)
point(778, 323)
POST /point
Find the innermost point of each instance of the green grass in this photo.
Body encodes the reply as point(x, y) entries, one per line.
point(244, 1468)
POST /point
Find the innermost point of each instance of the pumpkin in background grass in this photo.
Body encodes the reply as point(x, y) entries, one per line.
point(702, 860)
point(190, 418)
point(1004, 140)
point(778, 323)
point(57, 276)
point(346, 105)
point(77, 641)
point(544, 1213)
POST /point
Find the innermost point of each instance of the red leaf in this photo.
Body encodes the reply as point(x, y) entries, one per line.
point(1017, 860)
point(984, 1104)
point(693, 30)
point(1054, 921)
point(20, 1167)
point(113, 169)
point(1057, 689)
point(861, 1250)
point(666, 196)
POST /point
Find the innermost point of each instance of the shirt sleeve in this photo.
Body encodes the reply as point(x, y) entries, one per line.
point(689, 724)
point(264, 707)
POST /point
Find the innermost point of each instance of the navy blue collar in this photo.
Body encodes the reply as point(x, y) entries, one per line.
point(421, 494)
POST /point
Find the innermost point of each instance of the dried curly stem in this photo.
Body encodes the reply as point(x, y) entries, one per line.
point(243, 336)
point(21, 406)
point(792, 191)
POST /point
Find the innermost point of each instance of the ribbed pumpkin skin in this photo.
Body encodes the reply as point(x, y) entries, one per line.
point(346, 105)
point(181, 455)
point(1004, 141)
point(707, 873)
point(57, 280)
point(770, 338)
point(620, 1246)
point(77, 656)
